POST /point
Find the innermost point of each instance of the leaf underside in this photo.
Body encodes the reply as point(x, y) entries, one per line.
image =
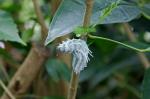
point(67, 17)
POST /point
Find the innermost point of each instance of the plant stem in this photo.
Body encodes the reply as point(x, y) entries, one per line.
point(73, 86)
point(7, 90)
point(144, 60)
point(75, 77)
point(87, 17)
point(40, 19)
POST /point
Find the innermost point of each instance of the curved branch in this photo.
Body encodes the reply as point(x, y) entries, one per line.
point(40, 18)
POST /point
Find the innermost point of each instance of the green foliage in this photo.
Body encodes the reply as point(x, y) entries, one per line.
point(57, 70)
point(146, 10)
point(8, 29)
point(114, 71)
point(69, 17)
point(146, 83)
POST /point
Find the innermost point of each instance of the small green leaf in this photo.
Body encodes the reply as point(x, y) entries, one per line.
point(83, 30)
point(8, 29)
point(146, 85)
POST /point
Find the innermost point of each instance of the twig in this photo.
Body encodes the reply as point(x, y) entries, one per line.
point(6, 90)
point(75, 77)
point(40, 19)
point(132, 37)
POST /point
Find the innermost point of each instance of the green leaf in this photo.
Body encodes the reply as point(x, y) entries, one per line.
point(146, 85)
point(102, 72)
point(67, 17)
point(8, 29)
point(140, 47)
point(57, 70)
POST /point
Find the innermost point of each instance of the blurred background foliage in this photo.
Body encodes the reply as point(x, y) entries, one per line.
point(114, 72)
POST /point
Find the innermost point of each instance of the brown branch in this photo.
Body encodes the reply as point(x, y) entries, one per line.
point(54, 6)
point(75, 77)
point(73, 86)
point(27, 72)
point(144, 60)
point(66, 58)
point(32, 65)
point(40, 18)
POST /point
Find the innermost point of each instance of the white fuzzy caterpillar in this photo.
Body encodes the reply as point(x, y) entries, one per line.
point(80, 52)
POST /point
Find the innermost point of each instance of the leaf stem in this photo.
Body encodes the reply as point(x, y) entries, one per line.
point(120, 43)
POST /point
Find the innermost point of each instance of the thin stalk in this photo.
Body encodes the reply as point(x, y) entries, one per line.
point(75, 77)
point(73, 86)
point(7, 90)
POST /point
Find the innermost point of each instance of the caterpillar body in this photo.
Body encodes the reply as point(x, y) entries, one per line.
point(80, 52)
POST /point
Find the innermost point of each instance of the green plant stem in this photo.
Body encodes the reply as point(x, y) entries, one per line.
point(75, 77)
point(87, 17)
point(120, 43)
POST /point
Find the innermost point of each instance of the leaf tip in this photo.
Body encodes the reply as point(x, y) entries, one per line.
point(22, 42)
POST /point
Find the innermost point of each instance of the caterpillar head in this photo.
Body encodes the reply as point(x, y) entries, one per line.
point(65, 46)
